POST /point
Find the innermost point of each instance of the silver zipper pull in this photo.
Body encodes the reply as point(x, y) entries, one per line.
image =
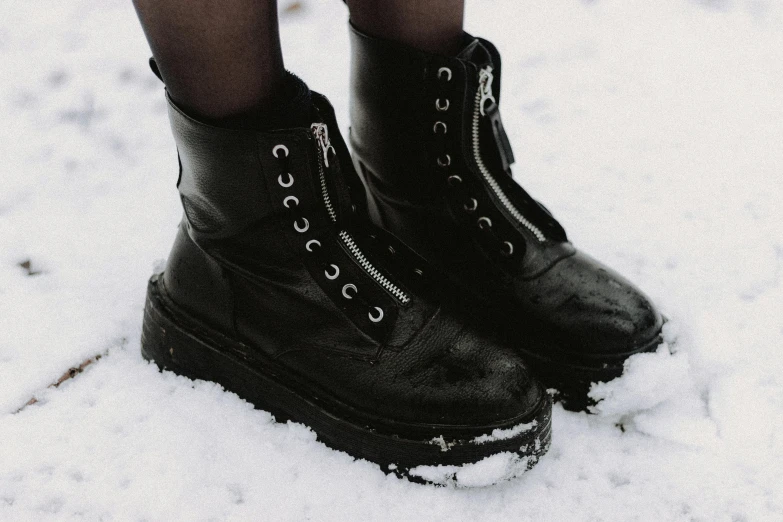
point(321, 133)
point(485, 85)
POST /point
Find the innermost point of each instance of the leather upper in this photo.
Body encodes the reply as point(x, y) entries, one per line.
point(413, 131)
point(260, 258)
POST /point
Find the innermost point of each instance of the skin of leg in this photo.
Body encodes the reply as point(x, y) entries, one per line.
point(430, 25)
point(218, 58)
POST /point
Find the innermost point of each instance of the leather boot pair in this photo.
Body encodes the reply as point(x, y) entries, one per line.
point(281, 289)
point(429, 142)
point(290, 282)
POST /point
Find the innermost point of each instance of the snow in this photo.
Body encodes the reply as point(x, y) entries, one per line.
point(496, 434)
point(500, 434)
point(489, 471)
point(651, 129)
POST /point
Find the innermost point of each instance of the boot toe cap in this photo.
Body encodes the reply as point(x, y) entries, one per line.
point(463, 378)
point(450, 376)
point(489, 379)
point(597, 312)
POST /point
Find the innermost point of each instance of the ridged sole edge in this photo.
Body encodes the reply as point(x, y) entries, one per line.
point(176, 342)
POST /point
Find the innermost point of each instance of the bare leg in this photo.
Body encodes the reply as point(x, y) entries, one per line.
point(430, 25)
point(220, 59)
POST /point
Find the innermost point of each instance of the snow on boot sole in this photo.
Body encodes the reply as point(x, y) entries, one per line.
point(572, 381)
point(177, 342)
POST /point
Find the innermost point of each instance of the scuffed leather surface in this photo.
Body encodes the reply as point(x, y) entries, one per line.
point(580, 298)
point(451, 375)
point(281, 303)
point(217, 205)
point(252, 279)
point(553, 298)
point(199, 282)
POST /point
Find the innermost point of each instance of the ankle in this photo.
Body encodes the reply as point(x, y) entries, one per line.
point(289, 106)
point(447, 41)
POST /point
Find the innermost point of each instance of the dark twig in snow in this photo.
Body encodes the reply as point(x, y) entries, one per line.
point(70, 374)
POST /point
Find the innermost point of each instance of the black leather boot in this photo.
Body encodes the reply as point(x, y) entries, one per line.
point(427, 136)
point(279, 288)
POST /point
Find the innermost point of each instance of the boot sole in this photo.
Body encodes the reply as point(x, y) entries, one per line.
point(177, 342)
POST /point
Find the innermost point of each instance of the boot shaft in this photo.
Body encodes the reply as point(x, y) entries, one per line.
point(428, 139)
point(286, 209)
point(228, 177)
point(406, 102)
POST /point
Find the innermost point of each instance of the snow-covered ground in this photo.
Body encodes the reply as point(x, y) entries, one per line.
point(654, 131)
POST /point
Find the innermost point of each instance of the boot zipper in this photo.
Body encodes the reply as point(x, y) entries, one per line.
point(367, 266)
point(321, 133)
point(484, 95)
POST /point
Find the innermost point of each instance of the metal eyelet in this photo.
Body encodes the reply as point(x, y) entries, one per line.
point(332, 276)
point(471, 205)
point(418, 271)
point(444, 162)
point(484, 222)
point(439, 125)
point(309, 244)
point(378, 318)
point(391, 250)
point(347, 287)
point(304, 227)
point(290, 198)
point(445, 70)
point(287, 183)
point(508, 248)
point(442, 108)
point(454, 180)
point(280, 147)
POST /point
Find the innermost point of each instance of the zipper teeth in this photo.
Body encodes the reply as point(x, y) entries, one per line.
point(324, 189)
point(491, 180)
point(367, 266)
point(349, 242)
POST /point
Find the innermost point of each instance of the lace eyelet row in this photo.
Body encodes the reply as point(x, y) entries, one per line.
point(470, 205)
point(442, 105)
point(302, 225)
point(484, 224)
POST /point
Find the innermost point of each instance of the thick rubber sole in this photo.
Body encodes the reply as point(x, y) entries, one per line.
point(179, 343)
